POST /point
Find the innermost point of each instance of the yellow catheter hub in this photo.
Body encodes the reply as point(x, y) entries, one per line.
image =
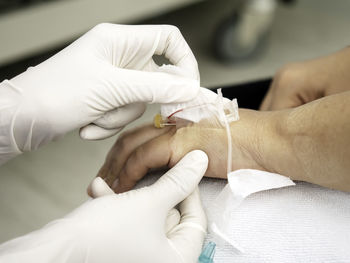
point(158, 121)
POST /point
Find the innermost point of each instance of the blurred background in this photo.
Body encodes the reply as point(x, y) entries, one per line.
point(234, 41)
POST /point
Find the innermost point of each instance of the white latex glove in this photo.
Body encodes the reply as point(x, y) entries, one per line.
point(100, 82)
point(125, 228)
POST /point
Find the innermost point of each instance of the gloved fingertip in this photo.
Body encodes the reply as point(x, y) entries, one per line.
point(94, 132)
point(99, 188)
point(199, 157)
point(85, 133)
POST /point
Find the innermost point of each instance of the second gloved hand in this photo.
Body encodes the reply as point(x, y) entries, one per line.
point(125, 228)
point(98, 83)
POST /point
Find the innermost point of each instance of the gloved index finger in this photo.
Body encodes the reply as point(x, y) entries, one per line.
point(175, 48)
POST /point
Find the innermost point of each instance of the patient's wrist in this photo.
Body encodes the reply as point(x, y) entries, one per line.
point(273, 149)
point(252, 137)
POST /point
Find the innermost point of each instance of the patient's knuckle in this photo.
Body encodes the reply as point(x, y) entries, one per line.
point(123, 142)
point(290, 73)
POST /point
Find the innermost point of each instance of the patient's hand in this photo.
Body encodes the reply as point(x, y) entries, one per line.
point(298, 83)
point(308, 143)
point(138, 150)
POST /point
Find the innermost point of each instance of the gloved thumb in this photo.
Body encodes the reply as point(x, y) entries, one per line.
point(180, 181)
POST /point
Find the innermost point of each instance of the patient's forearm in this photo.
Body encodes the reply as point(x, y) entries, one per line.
point(311, 142)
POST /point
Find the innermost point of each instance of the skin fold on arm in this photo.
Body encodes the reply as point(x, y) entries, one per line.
point(309, 143)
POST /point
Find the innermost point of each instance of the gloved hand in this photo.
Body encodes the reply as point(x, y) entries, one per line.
point(125, 228)
point(302, 82)
point(100, 82)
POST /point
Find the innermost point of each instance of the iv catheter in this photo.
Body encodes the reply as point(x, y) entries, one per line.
point(159, 122)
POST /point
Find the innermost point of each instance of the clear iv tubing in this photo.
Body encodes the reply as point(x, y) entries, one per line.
point(228, 133)
point(229, 147)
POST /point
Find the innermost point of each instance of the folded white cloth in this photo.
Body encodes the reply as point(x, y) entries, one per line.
point(302, 223)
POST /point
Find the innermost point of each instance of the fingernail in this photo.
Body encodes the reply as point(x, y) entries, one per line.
point(115, 183)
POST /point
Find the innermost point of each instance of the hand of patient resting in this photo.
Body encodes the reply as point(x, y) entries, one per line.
point(138, 150)
point(308, 143)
